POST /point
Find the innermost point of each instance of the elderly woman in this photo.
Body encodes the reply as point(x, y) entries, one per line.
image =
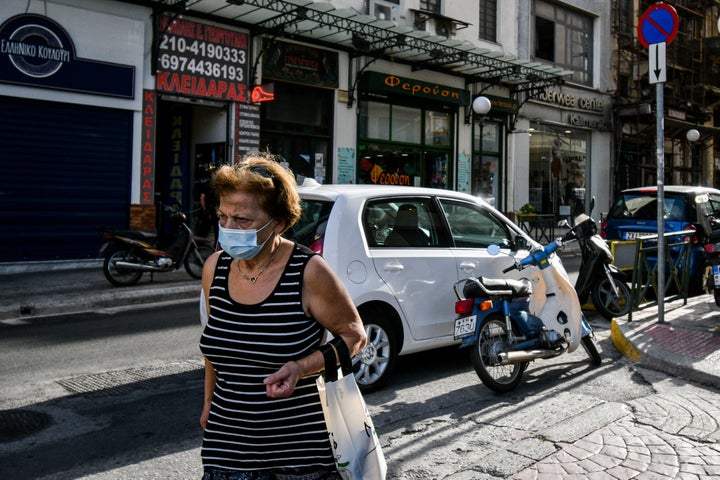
point(269, 303)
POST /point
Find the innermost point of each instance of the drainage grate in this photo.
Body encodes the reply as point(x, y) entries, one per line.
point(15, 424)
point(122, 382)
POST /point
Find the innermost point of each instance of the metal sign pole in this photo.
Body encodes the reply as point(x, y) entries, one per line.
point(660, 114)
point(657, 28)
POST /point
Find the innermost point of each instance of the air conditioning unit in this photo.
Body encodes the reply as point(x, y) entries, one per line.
point(384, 10)
point(445, 28)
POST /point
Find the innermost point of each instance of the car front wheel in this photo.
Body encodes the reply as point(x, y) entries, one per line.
point(372, 366)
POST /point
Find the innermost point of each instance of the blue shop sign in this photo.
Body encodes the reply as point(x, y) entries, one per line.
point(36, 51)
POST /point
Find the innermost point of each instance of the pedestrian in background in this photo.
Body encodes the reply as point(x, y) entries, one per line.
point(269, 302)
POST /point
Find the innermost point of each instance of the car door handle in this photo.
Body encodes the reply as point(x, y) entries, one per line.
point(394, 267)
point(468, 266)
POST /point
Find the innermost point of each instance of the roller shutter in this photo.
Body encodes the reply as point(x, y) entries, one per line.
point(65, 169)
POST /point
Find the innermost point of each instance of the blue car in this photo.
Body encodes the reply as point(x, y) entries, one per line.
point(634, 214)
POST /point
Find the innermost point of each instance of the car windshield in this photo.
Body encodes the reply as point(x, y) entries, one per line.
point(643, 206)
point(312, 223)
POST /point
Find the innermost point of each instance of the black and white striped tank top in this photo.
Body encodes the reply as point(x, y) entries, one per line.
point(247, 430)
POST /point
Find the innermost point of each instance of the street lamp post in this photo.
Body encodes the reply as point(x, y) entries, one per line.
point(693, 135)
point(481, 107)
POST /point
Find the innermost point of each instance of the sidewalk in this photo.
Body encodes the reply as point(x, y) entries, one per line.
point(686, 345)
point(84, 288)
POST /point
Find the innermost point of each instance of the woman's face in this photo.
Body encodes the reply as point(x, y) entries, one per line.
point(241, 211)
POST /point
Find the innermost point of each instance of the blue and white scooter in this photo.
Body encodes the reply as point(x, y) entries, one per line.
point(509, 323)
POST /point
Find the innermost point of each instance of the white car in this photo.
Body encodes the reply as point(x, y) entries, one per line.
point(399, 251)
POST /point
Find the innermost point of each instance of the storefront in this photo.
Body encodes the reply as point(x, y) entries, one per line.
point(68, 93)
point(407, 131)
point(570, 149)
point(298, 123)
point(201, 119)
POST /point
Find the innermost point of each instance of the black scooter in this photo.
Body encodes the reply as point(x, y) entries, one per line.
point(130, 253)
point(598, 277)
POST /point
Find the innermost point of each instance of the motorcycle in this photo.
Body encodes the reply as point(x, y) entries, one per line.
point(598, 278)
point(130, 253)
point(509, 323)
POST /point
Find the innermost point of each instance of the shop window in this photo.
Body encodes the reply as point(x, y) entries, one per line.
point(437, 128)
point(405, 124)
point(485, 162)
point(565, 38)
point(375, 120)
point(416, 152)
point(487, 24)
point(389, 165)
point(558, 169)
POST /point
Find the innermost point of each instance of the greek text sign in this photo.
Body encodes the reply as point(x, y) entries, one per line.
point(37, 51)
point(416, 88)
point(202, 60)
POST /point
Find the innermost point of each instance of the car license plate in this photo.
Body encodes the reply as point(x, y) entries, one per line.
point(465, 326)
point(634, 235)
point(716, 274)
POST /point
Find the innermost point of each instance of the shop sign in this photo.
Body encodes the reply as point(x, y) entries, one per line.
point(247, 129)
point(503, 104)
point(570, 100)
point(37, 51)
point(388, 83)
point(300, 64)
point(582, 121)
point(381, 177)
point(147, 174)
point(202, 60)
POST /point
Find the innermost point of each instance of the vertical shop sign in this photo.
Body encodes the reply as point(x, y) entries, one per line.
point(147, 168)
point(247, 129)
point(202, 60)
point(176, 176)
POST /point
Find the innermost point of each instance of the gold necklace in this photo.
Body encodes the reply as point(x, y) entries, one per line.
point(254, 278)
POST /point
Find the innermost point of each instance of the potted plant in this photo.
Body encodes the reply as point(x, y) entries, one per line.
point(526, 213)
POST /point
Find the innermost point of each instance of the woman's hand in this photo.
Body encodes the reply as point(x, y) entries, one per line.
point(281, 384)
point(205, 415)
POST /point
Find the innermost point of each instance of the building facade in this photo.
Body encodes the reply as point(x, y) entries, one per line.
point(691, 96)
point(115, 110)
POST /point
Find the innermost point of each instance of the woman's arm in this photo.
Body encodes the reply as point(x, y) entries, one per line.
point(210, 378)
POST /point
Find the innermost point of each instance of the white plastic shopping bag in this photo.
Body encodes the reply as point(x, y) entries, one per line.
point(354, 441)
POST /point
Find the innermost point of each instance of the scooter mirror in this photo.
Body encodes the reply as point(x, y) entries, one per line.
point(493, 249)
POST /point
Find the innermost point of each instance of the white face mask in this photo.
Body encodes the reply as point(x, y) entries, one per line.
point(241, 244)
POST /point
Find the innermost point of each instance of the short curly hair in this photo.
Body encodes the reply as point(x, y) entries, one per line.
point(260, 174)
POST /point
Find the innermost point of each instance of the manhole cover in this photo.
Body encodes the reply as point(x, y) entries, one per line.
point(18, 423)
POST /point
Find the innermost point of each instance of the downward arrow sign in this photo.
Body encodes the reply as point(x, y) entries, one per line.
point(657, 62)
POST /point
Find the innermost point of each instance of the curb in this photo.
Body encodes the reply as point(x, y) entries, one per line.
point(622, 344)
point(631, 337)
point(57, 305)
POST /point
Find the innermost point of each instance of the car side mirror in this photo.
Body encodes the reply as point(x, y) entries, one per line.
point(521, 243)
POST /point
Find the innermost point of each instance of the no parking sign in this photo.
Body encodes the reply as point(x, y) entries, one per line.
point(658, 24)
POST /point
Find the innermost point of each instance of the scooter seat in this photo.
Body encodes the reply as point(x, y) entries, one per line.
point(496, 287)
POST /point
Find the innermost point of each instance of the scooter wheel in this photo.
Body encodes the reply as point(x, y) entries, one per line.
point(611, 303)
point(591, 350)
point(195, 260)
point(492, 340)
point(118, 276)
